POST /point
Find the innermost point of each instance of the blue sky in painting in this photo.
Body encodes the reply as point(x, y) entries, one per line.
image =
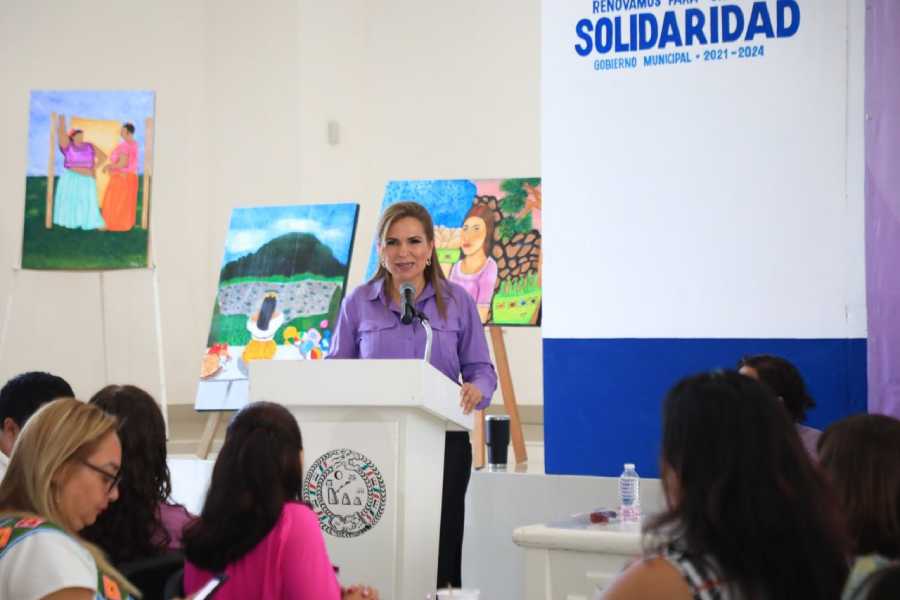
point(250, 228)
point(447, 200)
point(132, 107)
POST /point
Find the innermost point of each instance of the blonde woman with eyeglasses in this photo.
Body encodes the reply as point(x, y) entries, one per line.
point(64, 471)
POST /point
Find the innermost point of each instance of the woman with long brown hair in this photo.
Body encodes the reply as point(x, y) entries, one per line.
point(143, 522)
point(253, 526)
point(370, 326)
point(861, 455)
point(476, 270)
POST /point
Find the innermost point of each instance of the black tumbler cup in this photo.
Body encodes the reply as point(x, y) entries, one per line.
point(497, 440)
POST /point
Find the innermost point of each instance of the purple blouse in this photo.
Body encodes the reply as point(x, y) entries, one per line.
point(174, 517)
point(810, 439)
point(80, 156)
point(368, 328)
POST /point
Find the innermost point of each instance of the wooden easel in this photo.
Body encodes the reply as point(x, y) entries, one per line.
point(509, 403)
point(213, 420)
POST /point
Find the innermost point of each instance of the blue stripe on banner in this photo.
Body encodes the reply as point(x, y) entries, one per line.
point(603, 397)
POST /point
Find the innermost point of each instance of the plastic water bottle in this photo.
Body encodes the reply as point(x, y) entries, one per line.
point(629, 495)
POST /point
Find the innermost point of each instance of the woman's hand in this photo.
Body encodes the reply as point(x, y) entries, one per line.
point(469, 397)
point(359, 592)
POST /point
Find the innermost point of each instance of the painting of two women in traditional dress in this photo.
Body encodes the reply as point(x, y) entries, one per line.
point(87, 187)
point(488, 240)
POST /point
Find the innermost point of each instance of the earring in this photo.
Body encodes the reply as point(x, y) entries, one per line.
point(427, 262)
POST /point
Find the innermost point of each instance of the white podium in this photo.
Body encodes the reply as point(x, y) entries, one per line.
point(373, 439)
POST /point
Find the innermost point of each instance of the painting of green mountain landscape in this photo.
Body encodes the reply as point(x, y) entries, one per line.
point(281, 283)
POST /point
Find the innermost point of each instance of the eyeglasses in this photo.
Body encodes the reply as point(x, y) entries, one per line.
point(113, 478)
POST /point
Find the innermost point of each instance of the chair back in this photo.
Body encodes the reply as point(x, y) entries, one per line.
point(150, 575)
point(175, 585)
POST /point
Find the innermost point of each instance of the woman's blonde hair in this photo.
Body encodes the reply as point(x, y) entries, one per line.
point(433, 272)
point(59, 434)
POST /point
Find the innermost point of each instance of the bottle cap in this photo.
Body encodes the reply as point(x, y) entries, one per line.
point(629, 465)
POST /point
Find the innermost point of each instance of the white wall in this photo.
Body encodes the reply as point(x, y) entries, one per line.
point(244, 94)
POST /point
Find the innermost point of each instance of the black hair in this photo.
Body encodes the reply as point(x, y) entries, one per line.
point(257, 471)
point(25, 393)
point(743, 494)
point(131, 527)
point(784, 379)
point(266, 311)
point(129, 127)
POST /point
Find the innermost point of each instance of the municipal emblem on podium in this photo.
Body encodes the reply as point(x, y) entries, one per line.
point(346, 491)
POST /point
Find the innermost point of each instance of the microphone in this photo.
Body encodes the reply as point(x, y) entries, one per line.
point(407, 303)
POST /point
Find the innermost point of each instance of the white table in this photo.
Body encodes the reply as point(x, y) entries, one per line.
point(500, 502)
point(573, 558)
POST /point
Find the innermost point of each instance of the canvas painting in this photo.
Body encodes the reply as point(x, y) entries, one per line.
point(88, 179)
point(488, 238)
point(281, 283)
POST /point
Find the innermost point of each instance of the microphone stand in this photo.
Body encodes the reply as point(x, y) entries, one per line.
point(409, 306)
point(428, 335)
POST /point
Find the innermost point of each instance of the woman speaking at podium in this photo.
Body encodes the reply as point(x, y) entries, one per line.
point(369, 326)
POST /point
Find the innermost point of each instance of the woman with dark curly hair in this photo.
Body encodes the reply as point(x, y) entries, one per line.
point(784, 379)
point(143, 523)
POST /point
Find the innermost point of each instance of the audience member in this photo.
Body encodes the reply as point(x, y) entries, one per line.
point(64, 472)
point(861, 454)
point(784, 379)
point(253, 525)
point(748, 515)
point(142, 523)
point(883, 584)
point(19, 399)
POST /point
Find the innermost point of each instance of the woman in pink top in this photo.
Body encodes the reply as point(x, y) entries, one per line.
point(476, 271)
point(253, 525)
point(143, 523)
point(120, 199)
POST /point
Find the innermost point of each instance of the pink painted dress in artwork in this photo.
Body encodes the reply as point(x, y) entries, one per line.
point(479, 285)
point(128, 149)
point(290, 563)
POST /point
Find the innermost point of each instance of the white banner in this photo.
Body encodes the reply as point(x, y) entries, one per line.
point(703, 161)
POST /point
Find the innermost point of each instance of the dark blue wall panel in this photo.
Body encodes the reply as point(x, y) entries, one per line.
point(603, 397)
